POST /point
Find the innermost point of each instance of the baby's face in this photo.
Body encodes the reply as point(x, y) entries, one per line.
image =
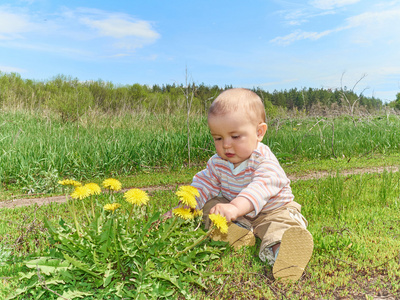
point(235, 137)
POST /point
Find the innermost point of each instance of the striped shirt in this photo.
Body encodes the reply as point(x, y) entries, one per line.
point(260, 179)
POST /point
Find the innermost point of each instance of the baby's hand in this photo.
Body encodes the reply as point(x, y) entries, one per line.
point(227, 210)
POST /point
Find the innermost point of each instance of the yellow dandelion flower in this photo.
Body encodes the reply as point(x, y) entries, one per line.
point(190, 189)
point(112, 184)
point(94, 188)
point(112, 206)
point(219, 222)
point(70, 182)
point(187, 194)
point(80, 192)
point(184, 213)
point(136, 197)
point(198, 212)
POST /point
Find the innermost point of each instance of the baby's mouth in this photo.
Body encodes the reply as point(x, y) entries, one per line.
point(229, 155)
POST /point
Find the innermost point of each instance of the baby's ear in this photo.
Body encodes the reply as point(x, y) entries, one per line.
point(261, 130)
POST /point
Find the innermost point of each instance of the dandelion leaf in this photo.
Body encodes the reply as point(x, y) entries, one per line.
point(73, 294)
point(175, 281)
point(80, 265)
point(154, 218)
point(28, 275)
point(48, 266)
point(108, 275)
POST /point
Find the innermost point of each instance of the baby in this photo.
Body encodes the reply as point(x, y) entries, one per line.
point(245, 183)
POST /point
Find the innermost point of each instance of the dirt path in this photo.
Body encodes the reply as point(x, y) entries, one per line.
point(313, 175)
point(321, 174)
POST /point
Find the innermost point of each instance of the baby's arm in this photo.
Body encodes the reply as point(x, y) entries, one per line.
point(238, 207)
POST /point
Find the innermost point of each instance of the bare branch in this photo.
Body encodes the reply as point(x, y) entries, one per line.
point(351, 104)
point(362, 77)
point(188, 92)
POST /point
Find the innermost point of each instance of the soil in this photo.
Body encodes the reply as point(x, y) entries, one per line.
point(13, 203)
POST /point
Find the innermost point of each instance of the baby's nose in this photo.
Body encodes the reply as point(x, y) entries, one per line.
point(227, 144)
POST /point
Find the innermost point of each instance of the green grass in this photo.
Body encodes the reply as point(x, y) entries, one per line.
point(302, 168)
point(167, 178)
point(38, 150)
point(357, 242)
point(353, 219)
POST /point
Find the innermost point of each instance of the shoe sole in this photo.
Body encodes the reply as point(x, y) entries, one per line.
point(294, 254)
point(237, 236)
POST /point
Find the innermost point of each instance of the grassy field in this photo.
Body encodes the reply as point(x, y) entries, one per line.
point(37, 149)
point(354, 219)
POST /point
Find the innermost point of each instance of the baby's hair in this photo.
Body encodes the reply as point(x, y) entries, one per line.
point(239, 99)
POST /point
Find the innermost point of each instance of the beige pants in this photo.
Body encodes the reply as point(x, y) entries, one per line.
point(269, 226)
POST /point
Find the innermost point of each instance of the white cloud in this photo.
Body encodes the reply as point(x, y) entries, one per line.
point(124, 31)
point(296, 17)
point(374, 19)
point(117, 27)
point(13, 25)
point(128, 34)
point(302, 35)
point(330, 4)
point(376, 27)
point(367, 27)
point(46, 48)
point(7, 69)
point(304, 15)
point(98, 32)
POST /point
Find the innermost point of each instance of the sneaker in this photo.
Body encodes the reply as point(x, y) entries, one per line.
point(294, 254)
point(267, 255)
point(237, 236)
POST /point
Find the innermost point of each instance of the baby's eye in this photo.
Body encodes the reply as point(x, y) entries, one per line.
point(217, 139)
point(235, 136)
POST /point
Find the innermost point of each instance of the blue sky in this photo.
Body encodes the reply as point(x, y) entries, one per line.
point(273, 45)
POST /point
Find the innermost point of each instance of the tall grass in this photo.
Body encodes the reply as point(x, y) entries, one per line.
point(38, 149)
point(323, 137)
point(34, 145)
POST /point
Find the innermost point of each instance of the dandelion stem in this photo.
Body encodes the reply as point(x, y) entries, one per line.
point(91, 202)
point(196, 242)
point(116, 246)
point(86, 213)
point(171, 229)
point(75, 219)
point(129, 219)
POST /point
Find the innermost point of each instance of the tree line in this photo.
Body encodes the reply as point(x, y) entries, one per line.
point(70, 97)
